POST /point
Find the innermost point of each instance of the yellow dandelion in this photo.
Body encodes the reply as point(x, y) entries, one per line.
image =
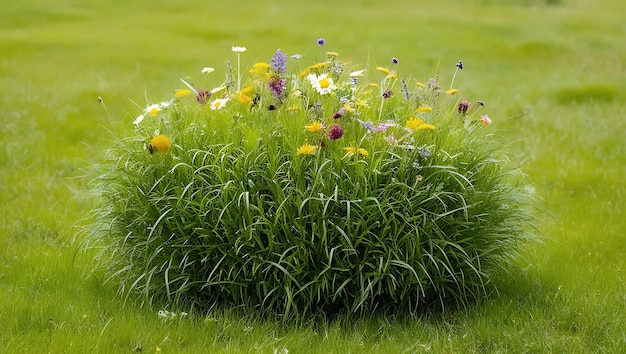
point(363, 152)
point(452, 91)
point(306, 149)
point(332, 54)
point(315, 127)
point(383, 70)
point(391, 76)
point(318, 65)
point(424, 109)
point(181, 93)
point(426, 126)
point(414, 123)
point(160, 144)
point(246, 90)
point(243, 98)
point(421, 85)
point(260, 69)
point(351, 150)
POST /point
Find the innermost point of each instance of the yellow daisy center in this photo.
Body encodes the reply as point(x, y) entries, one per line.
point(324, 83)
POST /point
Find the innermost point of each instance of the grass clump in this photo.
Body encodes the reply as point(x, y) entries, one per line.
point(295, 190)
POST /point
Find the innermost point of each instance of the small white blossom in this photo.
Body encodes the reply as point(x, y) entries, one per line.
point(218, 103)
point(239, 49)
point(207, 70)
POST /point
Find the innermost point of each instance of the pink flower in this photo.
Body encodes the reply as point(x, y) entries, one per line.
point(335, 132)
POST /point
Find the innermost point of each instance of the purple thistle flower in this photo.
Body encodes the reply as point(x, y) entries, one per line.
point(279, 61)
point(203, 96)
point(321, 41)
point(335, 132)
point(463, 106)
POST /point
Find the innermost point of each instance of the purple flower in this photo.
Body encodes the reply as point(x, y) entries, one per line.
point(423, 151)
point(203, 96)
point(321, 41)
point(382, 127)
point(339, 113)
point(335, 132)
point(369, 126)
point(394, 60)
point(463, 106)
point(277, 86)
point(279, 61)
point(459, 65)
point(387, 94)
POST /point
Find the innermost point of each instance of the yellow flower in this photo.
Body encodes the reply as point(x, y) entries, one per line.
point(414, 123)
point(350, 150)
point(315, 127)
point(293, 109)
point(420, 84)
point(332, 54)
point(160, 143)
point(318, 65)
point(383, 70)
point(418, 124)
point(372, 84)
point(426, 126)
point(424, 109)
point(243, 98)
point(391, 76)
point(363, 152)
point(246, 90)
point(306, 149)
point(181, 93)
point(260, 69)
point(452, 91)
point(348, 108)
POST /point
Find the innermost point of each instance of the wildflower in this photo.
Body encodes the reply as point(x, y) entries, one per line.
point(350, 150)
point(315, 127)
point(348, 108)
point(153, 109)
point(423, 151)
point(203, 96)
point(485, 120)
point(218, 103)
point(459, 65)
point(372, 84)
point(369, 126)
point(323, 83)
point(339, 113)
point(238, 49)
point(306, 149)
point(425, 109)
point(363, 152)
point(321, 41)
point(335, 132)
point(296, 56)
point(293, 109)
point(387, 94)
point(405, 89)
point(463, 106)
point(452, 91)
point(419, 84)
point(382, 127)
point(391, 140)
point(260, 69)
point(394, 60)
point(318, 65)
point(357, 73)
point(243, 98)
point(390, 76)
point(418, 124)
point(332, 54)
point(207, 70)
point(279, 61)
point(160, 144)
point(414, 123)
point(383, 70)
point(277, 86)
point(181, 93)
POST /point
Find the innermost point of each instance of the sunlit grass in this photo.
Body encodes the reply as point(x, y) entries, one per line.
point(552, 78)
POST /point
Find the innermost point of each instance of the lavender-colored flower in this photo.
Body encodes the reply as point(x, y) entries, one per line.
point(382, 127)
point(321, 41)
point(369, 126)
point(423, 151)
point(394, 60)
point(277, 86)
point(203, 96)
point(459, 65)
point(279, 61)
point(463, 106)
point(387, 94)
point(335, 132)
point(391, 140)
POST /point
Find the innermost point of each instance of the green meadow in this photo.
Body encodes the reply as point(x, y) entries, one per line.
point(552, 76)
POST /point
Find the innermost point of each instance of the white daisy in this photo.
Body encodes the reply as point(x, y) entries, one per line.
point(323, 84)
point(219, 103)
point(239, 49)
point(207, 70)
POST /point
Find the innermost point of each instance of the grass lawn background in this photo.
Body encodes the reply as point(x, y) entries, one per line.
point(550, 72)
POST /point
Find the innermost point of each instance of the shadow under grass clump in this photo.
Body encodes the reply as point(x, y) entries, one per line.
point(585, 94)
point(295, 190)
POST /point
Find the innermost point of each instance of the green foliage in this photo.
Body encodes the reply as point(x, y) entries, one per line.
point(395, 213)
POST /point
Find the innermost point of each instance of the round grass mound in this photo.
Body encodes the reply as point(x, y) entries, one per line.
point(295, 190)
